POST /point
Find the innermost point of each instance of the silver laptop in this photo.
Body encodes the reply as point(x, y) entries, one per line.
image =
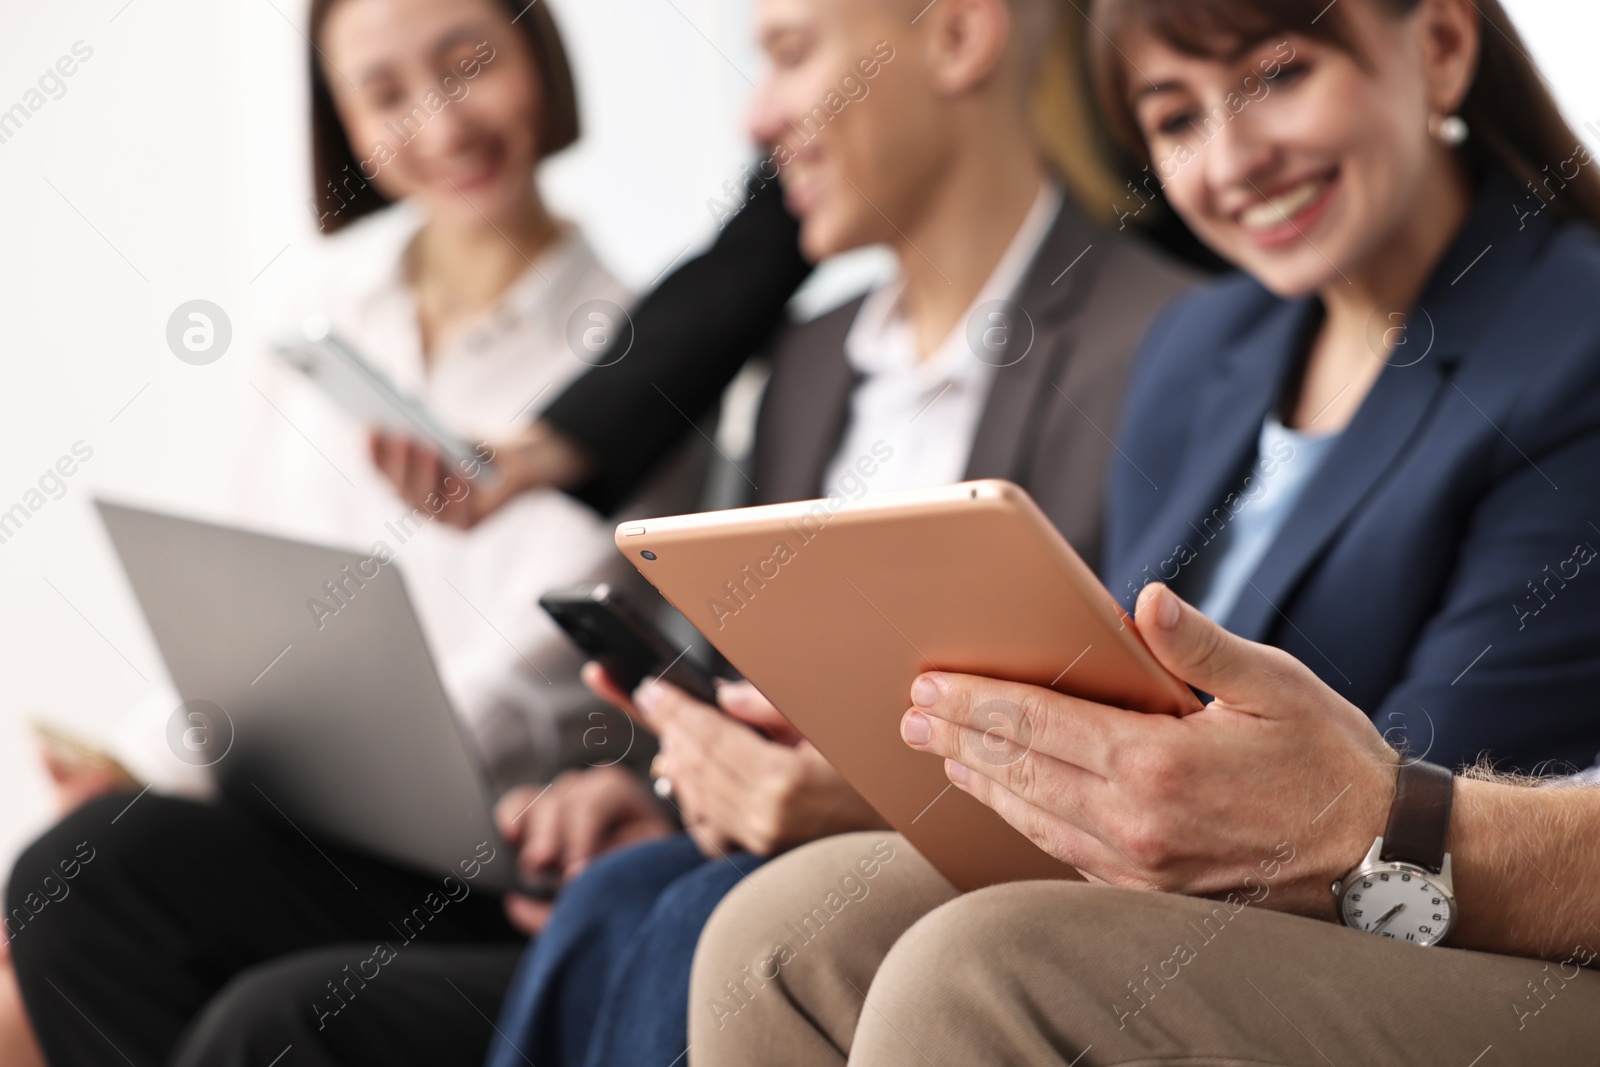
point(332, 715)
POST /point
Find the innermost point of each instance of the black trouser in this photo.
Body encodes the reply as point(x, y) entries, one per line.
point(173, 932)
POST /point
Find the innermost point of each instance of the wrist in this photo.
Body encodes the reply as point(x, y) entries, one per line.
point(1488, 862)
point(1403, 887)
point(542, 456)
point(1372, 801)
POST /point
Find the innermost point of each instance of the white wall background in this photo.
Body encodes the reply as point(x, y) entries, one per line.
point(174, 168)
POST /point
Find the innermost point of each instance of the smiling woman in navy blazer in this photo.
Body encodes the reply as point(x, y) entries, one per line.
point(1379, 448)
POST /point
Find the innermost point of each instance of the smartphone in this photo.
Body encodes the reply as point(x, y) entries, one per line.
point(368, 395)
point(624, 642)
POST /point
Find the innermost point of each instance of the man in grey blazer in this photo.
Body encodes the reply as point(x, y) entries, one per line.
point(1055, 380)
point(999, 349)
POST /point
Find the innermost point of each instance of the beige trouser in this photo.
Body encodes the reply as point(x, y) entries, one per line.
point(1067, 973)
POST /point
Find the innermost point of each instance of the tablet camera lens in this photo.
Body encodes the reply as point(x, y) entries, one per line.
point(647, 554)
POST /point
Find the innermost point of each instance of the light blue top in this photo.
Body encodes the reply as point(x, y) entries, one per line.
point(1242, 530)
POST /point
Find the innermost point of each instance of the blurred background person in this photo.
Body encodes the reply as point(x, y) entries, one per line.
point(446, 270)
point(450, 276)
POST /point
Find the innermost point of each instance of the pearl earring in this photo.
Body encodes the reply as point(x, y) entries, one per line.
point(1451, 130)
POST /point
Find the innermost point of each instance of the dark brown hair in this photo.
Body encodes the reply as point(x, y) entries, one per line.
point(341, 193)
point(1514, 121)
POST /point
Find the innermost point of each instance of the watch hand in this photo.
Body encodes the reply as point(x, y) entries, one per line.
point(1381, 923)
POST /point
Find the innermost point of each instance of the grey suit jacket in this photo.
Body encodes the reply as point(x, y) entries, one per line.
point(1051, 415)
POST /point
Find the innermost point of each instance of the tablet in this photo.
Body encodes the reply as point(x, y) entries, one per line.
point(832, 607)
point(367, 394)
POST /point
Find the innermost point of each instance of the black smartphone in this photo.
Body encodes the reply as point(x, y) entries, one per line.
point(624, 642)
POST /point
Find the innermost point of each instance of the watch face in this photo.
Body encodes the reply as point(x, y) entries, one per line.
point(1400, 904)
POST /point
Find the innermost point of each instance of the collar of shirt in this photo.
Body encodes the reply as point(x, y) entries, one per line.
point(548, 287)
point(881, 340)
point(502, 363)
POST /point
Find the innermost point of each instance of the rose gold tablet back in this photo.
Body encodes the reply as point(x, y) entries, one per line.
point(831, 608)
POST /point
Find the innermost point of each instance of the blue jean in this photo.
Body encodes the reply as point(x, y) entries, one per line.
point(608, 980)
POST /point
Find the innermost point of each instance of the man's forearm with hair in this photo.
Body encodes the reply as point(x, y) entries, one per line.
point(1526, 864)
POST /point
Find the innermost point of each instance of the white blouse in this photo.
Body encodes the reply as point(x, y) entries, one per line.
point(304, 471)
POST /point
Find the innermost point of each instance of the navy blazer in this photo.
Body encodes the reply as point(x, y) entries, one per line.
point(1440, 569)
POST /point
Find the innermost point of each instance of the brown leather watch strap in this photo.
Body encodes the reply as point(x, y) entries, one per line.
point(1419, 821)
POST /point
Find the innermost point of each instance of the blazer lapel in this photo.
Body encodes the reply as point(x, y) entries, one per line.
point(1388, 419)
point(810, 420)
point(1225, 429)
point(1466, 290)
point(1043, 307)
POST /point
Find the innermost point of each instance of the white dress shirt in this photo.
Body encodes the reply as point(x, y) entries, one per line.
point(925, 410)
point(304, 471)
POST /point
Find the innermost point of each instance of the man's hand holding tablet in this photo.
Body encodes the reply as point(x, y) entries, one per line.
point(832, 608)
point(1190, 805)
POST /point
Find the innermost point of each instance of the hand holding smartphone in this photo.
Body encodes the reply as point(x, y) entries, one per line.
point(367, 394)
point(619, 638)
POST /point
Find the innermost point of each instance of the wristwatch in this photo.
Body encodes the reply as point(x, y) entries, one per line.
point(1402, 890)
